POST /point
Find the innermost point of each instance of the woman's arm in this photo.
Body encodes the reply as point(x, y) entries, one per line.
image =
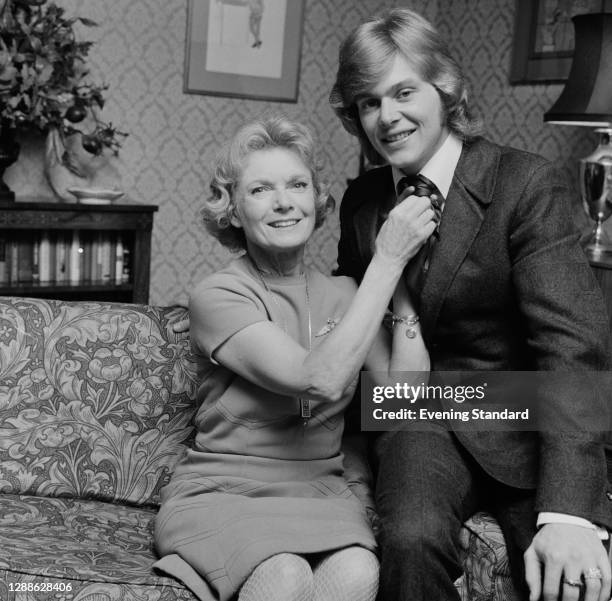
point(402, 348)
point(263, 354)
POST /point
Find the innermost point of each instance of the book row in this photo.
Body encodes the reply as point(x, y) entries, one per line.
point(70, 257)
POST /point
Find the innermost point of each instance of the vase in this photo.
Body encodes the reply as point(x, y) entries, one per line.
point(9, 151)
point(68, 166)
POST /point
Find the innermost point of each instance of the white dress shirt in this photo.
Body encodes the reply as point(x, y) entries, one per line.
point(441, 166)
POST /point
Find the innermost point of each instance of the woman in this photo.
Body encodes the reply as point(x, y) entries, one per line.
point(259, 506)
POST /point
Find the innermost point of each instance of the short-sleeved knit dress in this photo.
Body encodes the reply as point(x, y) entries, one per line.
point(259, 480)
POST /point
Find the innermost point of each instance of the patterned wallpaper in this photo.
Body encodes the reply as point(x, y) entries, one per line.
point(139, 52)
point(480, 35)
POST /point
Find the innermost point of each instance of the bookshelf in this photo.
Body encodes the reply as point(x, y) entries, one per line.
point(75, 251)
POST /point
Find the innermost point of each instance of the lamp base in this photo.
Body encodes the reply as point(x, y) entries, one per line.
point(597, 252)
point(596, 190)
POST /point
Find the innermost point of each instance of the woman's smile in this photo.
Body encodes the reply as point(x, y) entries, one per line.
point(284, 223)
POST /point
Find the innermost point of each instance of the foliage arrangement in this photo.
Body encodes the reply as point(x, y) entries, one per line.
point(43, 75)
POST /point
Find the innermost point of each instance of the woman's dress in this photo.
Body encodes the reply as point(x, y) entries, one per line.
point(260, 480)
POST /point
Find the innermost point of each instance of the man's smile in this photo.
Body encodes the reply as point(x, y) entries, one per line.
point(398, 137)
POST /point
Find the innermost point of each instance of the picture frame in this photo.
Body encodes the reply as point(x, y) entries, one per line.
point(244, 48)
point(544, 38)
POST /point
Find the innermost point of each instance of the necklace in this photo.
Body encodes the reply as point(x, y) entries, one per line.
point(305, 411)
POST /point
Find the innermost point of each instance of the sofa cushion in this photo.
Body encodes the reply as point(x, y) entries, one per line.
point(90, 550)
point(96, 399)
point(96, 549)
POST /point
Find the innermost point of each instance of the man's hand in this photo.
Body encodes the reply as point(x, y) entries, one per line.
point(178, 319)
point(181, 326)
point(566, 552)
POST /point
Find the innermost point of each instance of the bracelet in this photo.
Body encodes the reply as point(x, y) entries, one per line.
point(409, 320)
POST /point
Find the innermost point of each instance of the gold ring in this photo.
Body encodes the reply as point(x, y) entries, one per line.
point(594, 574)
point(571, 582)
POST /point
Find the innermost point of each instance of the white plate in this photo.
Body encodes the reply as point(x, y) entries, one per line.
point(96, 196)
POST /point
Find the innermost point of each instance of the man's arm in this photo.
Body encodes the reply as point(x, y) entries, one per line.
point(568, 330)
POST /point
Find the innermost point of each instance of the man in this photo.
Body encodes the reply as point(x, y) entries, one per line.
point(503, 285)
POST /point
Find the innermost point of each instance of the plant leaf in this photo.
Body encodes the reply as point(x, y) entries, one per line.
point(87, 22)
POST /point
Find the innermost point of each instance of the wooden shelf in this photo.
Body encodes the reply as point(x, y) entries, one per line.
point(63, 287)
point(132, 222)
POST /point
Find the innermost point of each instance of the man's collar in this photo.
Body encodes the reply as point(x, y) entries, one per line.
point(441, 166)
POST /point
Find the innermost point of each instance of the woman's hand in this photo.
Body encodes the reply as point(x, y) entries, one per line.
point(408, 226)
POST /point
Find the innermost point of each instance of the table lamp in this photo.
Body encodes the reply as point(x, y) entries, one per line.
point(586, 100)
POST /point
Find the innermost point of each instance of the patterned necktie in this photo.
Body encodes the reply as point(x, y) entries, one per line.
point(416, 270)
point(423, 187)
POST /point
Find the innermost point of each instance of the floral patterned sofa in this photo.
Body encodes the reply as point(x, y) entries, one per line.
point(96, 401)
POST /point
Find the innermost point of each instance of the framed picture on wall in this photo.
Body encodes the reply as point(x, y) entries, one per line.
point(544, 38)
point(244, 48)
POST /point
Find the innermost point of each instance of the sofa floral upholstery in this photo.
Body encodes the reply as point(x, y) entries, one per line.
point(487, 573)
point(96, 401)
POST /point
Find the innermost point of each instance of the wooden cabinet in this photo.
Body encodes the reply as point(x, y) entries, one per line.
point(127, 227)
point(603, 272)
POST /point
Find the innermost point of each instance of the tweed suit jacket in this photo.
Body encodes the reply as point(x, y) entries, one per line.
point(508, 288)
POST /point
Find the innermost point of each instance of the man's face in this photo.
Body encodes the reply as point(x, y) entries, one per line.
point(403, 117)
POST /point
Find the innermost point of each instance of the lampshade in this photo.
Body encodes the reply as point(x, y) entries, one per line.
point(587, 96)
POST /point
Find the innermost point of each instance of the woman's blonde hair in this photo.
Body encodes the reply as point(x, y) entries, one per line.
point(366, 55)
point(268, 132)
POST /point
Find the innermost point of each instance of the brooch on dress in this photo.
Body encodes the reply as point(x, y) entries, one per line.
point(328, 327)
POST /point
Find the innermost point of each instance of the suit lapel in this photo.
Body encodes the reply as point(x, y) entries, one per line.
point(461, 220)
point(463, 214)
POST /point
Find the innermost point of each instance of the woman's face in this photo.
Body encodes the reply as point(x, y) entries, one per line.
point(275, 201)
